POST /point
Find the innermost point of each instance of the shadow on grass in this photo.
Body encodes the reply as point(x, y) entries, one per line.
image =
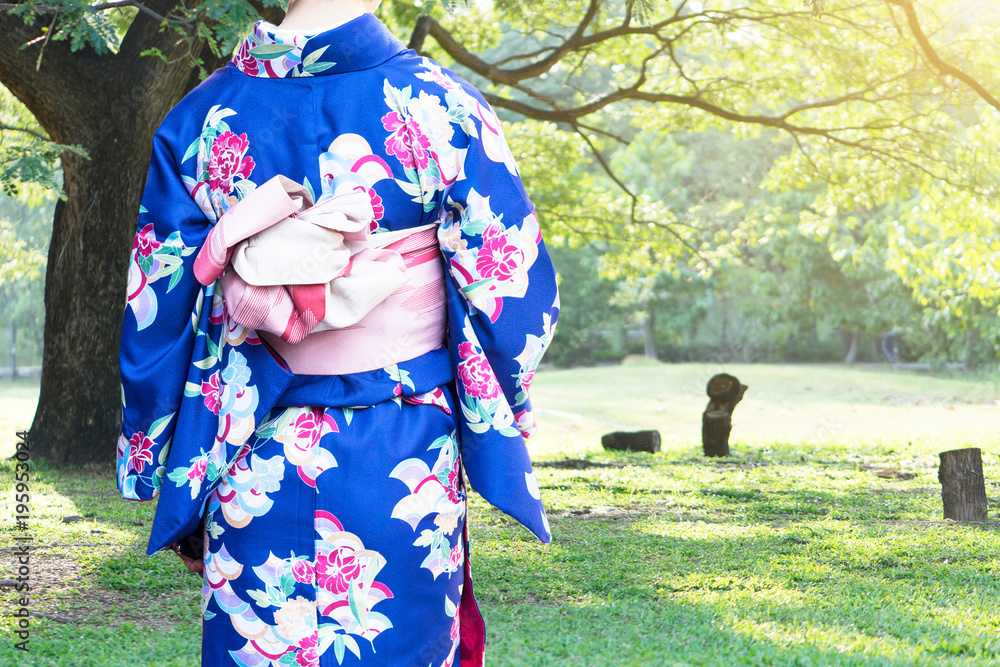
point(96, 598)
point(646, 590)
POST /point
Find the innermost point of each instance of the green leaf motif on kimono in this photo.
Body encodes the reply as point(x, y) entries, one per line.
point(470, 410)
point(475, 226)
point(191, 388)
point(208, 615)
point(179, 476)
point(145, 263)
point(270, 51)
point(244, 187)
point(355, 597)
point(439, 443)
point(308, 186)
point(213, 349)
point(352, 645)
point(425, 539)
point(348, 415)
point(287, 584)
point(474, 290)
point(268, 598)
point(312, 65)
point(203, 364)
point(404, 379)
point(215, 528)
point(158, 474)
point(158, 426)
point(450, 607)
point(215, 116)
point(314, 56)
point(338, 649)
point(288, 658)
point(191, 151)
point(175, 278)
point(397, 100)
point(196, 311)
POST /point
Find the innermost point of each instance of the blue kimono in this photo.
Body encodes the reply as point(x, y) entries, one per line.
point(334, 505)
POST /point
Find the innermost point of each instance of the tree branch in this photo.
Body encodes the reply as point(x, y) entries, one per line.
point(110, 5)
point(26, 130)
point(935, 59)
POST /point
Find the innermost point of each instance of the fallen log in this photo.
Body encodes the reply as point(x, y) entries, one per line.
point(634, 441)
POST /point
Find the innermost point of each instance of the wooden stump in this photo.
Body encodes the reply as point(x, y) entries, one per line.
point(715, 428)
point(724, 391)
point(963, 488)
point(638, 441)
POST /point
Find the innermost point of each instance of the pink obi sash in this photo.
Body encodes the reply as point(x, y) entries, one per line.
point(328, 297)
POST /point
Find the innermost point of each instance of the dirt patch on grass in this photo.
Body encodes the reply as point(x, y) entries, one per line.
point(62, 592)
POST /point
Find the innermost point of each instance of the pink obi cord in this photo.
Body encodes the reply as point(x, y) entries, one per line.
point(328, 297)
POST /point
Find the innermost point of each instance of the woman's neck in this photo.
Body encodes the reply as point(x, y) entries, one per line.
point(310, 14)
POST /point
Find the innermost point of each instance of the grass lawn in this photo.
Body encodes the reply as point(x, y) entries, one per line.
point(792, 552)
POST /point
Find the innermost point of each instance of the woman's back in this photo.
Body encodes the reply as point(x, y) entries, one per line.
point(359, 463)
point(344, 109)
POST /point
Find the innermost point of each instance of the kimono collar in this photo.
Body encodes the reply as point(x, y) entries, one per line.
point(359, 44)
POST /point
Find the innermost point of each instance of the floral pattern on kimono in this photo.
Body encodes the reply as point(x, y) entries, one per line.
point(200, 392)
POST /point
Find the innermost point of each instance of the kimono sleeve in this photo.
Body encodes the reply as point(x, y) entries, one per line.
point(160, 323)
point(503, 305)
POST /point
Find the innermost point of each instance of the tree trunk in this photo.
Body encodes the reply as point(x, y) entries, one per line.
point(724, 391)
point(111, 105)
point(963, 489)
point(12, 344)
point(650, 331)
point(852, 350)
point(79, 406)
point(715, 428)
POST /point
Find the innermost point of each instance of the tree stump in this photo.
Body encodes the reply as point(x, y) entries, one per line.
point(638, 441)
point(724, 392)
point(963, 489)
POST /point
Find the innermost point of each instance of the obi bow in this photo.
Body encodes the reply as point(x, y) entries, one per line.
point(296, 267)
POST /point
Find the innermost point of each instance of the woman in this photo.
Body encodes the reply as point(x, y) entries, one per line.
point(338, 296)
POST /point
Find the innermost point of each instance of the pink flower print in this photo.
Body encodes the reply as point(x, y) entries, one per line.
point(526, 380)
point(377, 207)
point(455, 559)
point(406, 142)
point(228, 160)
point(210, 390)
point(452, 489)
point(498, 257)
point(198, 470)
point(139, 452)
point(246, 61)
point(308, 653)
point(476, 375)
point(145, 241)
point(443, 81)
point(302, 572)
point(308, 427)
point(336, 573)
